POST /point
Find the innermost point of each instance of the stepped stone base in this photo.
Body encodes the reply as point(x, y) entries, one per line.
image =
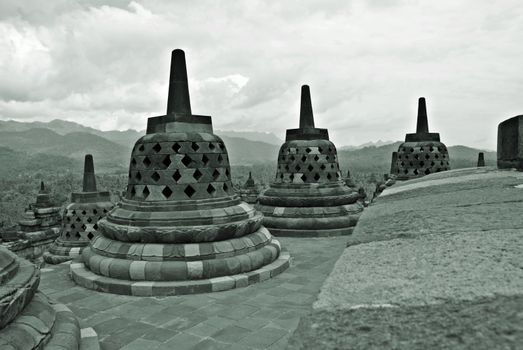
point(58, 254)
point(281, 232)
point(42, 325)
point(84, 277)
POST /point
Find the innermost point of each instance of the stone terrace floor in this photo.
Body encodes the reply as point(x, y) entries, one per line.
point(261, 316)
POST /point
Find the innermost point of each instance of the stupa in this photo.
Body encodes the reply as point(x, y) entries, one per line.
point(510, 143)
point(180, 229)
point(309, 197)
point(249, 191)
point(38, 228)
point(80, 219)
point(28, 319)
point(481, 159)
point(422, 153)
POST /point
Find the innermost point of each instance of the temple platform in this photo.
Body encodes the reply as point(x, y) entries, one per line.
point(259, 316)
point(434, 263)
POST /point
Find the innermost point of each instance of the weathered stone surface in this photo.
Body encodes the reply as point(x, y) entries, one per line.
point(80, 220)
point(180, 228)
point(510, 143)
point(309, 197)
point(445, 275)
point(28, 320)
point(422, 153)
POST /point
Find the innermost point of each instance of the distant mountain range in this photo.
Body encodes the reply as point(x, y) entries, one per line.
point(67, 142)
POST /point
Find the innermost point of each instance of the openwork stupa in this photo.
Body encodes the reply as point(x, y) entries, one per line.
point(180, 228)
point(422, 153)
point(81, 217)
point(249, 191)
point(309, 197)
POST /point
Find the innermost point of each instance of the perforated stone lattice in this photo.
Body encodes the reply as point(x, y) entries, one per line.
point(422, 159)
point(307, 164)
point(81, 224)
point(179, 170)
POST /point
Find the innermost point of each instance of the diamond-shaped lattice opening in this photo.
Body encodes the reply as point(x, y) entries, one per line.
point(177, 176)
point(310, 167)
point(189, 191)
point(416, 156)
point(68, 235)
point(146, 192)
point(427, 171)
point(317, 176)
point(304, 158)
point(308, 150)
point(329, 176)
point(304, 178)
point(443, 156)
point(146, 161)
point(291, 177)
point(411, 150)
point(95, 226)
point(205, 159)
point(133, 192)
point(322, 167)
point(432, 164)
point(411, 164)
point(402, 164)
point(167, 192)
point(215, 174)
point(421, 149)
point(73, 226)
point(133, 162)
point(320, 149)
point(68, 218)
point(220, 158)
point(297, 167)
point(157, 148)
point(155, 176)
point(84, 212)
point(221, 145)
point(95, 211)
point(225, 187)
point(84, 227)
point(431, 149)
point(195, 146)
point(138, 176)
point(287, 167)
point(211, 146)
point(141, 148)
point(166, 161)
point(89, 219)
point(186, 160)
point(292, 158)
point(211, 189)
point(281, 176)
point(90, 235)
point(416, 172)
point(316, 158)
point(438, 170)
point(422, 164)
point(327, 158)
point(406, 171)
point(105, 211)
point(427, 157)
point(337, 175)
point(176, 147)
point(77, 235)
point(227, 172)
point(436, 156)
point(197, 174)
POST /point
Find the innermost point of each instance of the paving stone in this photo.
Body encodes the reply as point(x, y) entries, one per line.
point(141, 344)
point(231, 334)
point(264, 338)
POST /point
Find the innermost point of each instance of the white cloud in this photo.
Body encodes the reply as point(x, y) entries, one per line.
point(106, 64)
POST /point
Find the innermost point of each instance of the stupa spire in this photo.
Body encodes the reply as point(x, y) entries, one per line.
point(178, 100)
point(89, 183)
point(42, 187)
point(423, 124)
point(306, 115)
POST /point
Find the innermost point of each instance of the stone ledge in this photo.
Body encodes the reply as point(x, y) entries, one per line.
point(87, 279)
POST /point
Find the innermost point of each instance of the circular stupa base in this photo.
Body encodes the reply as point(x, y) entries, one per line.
point(282, 232)
point(85, 278)
point(58, 254)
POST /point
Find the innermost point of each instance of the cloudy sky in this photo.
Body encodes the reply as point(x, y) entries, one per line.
point(105, 63)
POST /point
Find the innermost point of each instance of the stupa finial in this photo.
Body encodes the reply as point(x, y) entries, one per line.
point(89, 183)
point(178, 100)
point(423, 124)
point(306, 115)
point(42, 187)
